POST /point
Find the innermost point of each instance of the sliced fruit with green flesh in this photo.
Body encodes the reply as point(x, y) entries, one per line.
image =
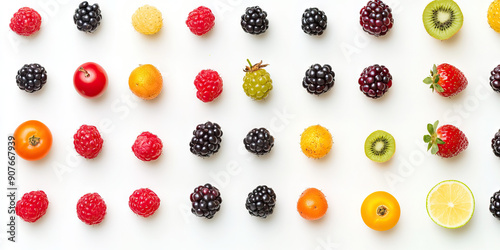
point(380, 146)
point(442, 19)
point(450, 204)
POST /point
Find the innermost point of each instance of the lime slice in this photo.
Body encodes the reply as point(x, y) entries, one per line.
point(450, 204)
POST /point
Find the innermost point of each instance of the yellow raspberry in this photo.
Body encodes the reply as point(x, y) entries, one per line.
point(316, 141)
point(147, 20)
point(494, 15)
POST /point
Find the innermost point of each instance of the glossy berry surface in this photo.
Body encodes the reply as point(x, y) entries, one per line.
point(375, 81)
point(88, 141)
point(261, 201)
point(495, 144)
point(206, 139)
point(446, 141)
point(32, 206)
point(257, 82)
point(447, 80)
point(144, 202)
point(259, 141)
point(205, 201)
point(200, 21)
point(208, 84)
point(376, 18)
point(26, 21)
point(91, 209)
point(495, 79)
point(314, 21)
point(254, 21)
point(318, 79)
point(147, 146)
point(87, 17)
point(31, 77)
point(495, 205)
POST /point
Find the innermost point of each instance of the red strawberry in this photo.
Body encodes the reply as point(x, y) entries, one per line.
point(446, 79)
point(446, 141)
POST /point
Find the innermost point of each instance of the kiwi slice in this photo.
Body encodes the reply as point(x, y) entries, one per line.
point(380, 146)
point(442, 19)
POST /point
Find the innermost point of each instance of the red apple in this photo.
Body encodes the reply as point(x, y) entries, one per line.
point(90, 80)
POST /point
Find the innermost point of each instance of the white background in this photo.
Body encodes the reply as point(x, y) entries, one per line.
point(346, 176)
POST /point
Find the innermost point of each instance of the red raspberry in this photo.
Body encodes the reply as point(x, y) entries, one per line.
point(88, 141)
point(91, 209)
point(147, 146)
point(32, 206)
point(200, 21)
point(144, 202)
point(26, 21)
point(209, 85)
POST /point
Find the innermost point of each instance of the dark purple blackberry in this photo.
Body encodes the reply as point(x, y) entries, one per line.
point(495, 144)
point(87, 17)
point(259, 141)
point(206, 139)
point(319, 79)
point(205, 201)
point(375, 81)
point(314, 21)
point(31, 77)
point(495, 79)
point(495, 205)
point(261, 201)
point(254, 21)
point(376, 18)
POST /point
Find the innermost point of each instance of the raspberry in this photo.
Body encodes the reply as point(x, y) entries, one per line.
point(254, 21)
point(376, 18)
point(31, 77)
point(495, 79)
point(32, 206)
point(206, 139)
point(87, 17)
point(26, 21)
point(261, 201)
point(147, 20)
point(91, 209)
point(259, 141)
point(205, 201)
point(200, 21)
point(257, 82)
point(319, 79)
point(314, 21)
point(88, 141)
point(495, 144)
point(209, 85)
point(147, 146)
point(375, 81)
point(144, 202)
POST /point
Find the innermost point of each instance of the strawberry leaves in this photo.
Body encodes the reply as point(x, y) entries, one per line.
point(432, 139)
point(433, 80)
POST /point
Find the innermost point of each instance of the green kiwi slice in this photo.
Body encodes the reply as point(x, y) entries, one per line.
point(442, 19)
point(380, 146)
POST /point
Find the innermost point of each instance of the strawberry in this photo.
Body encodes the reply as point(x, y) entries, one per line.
point(446, 141)
point(446, 79)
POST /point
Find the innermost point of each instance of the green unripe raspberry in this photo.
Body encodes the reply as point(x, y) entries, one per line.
point(257, 82)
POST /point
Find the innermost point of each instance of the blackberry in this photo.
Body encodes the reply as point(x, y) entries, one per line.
point(319, 79)
point(375, 81)
point(254, 21)
point(314, 21)
point(206, 139)
point(87, 17)
point(31, 77)
point(495, 79)
point(495, 144)
point(205, 201)
point(261, 201)
point(259, 141)
point(376, 18)
point(495, 205)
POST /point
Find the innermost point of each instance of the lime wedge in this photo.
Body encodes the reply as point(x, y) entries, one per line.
point(450, 204)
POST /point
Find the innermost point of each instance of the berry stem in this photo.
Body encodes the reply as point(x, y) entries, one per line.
point(248, 60)
point(382, 210)
point(81, 69)
point(33, 140)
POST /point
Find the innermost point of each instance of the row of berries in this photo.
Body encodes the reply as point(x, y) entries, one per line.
point(375, 18)
point(374, 81)
point(91, 208)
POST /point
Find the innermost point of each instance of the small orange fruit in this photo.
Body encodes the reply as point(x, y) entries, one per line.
point(312, 204)
point(380, 211)
point(316, 142)
point(146, 82)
